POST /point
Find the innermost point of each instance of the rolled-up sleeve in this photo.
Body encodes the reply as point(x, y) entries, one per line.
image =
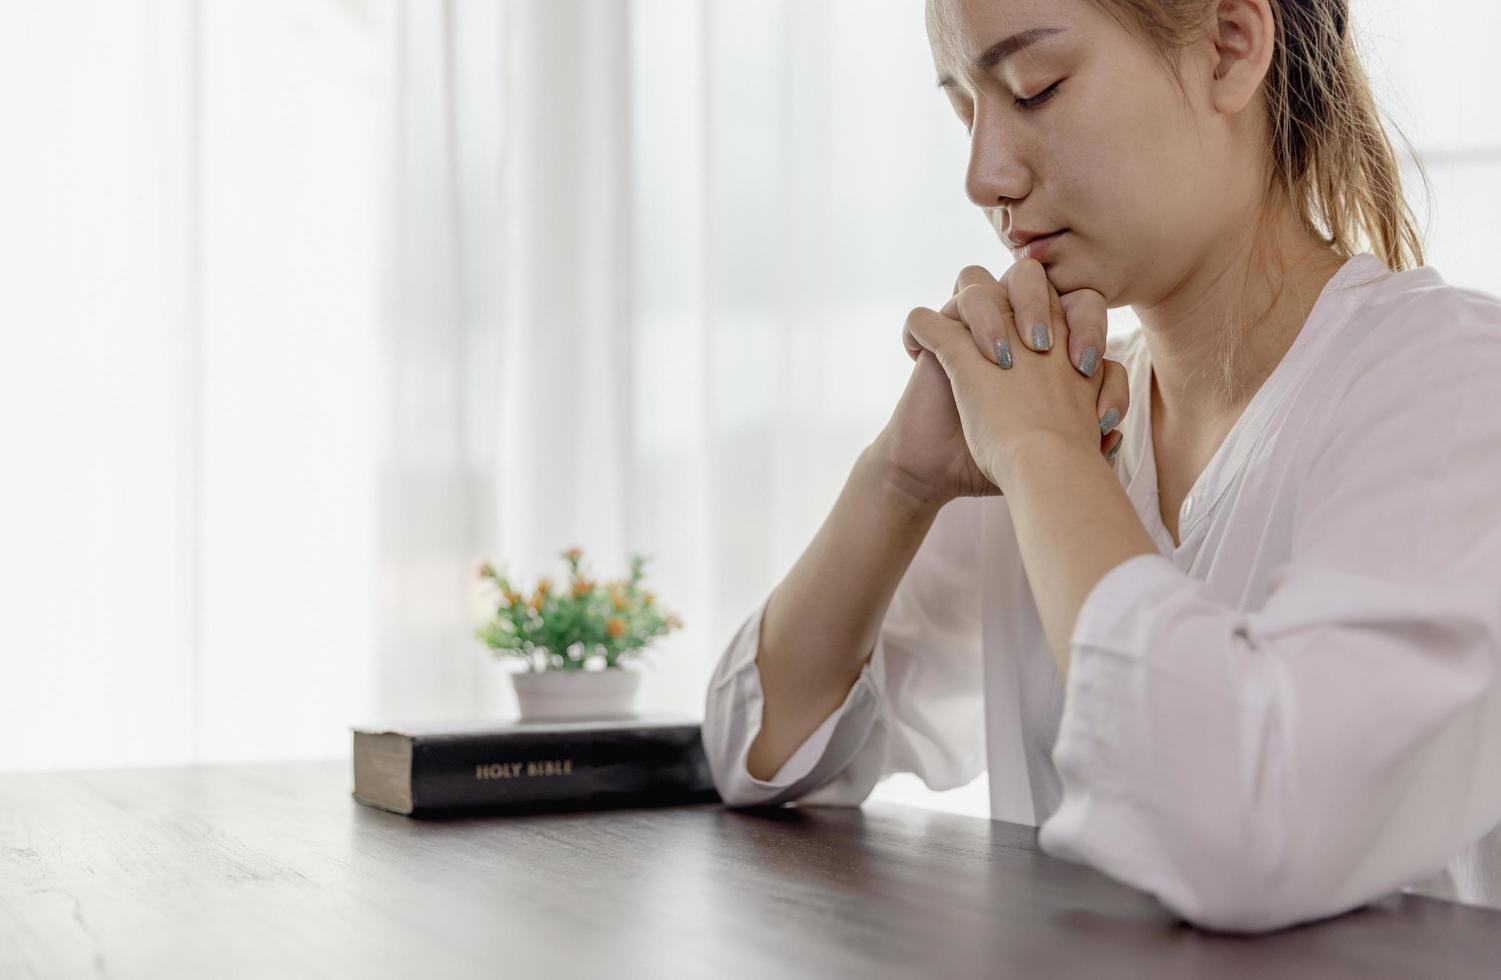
point(917, 705)
point(1259, 768)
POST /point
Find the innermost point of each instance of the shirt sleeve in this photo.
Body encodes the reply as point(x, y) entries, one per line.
point(1259, 768)
point(917, 706)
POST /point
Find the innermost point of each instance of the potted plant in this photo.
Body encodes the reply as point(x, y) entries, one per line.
point(578, 644)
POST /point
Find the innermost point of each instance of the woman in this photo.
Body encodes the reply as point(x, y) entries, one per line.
point(1252, 663)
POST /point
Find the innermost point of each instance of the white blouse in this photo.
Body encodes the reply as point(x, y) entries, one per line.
point(1291, 714)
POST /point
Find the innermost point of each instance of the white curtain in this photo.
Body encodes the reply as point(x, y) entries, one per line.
point(310, 305)
point(188, 407)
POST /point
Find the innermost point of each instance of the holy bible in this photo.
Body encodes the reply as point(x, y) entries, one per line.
point(648, 759)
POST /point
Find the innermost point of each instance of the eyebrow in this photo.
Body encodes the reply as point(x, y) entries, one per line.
point(1001, 50)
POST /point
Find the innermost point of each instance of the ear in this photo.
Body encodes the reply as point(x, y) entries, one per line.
point(1244, 38)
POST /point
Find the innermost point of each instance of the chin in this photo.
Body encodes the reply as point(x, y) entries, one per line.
point(1060, 274)
point(1066, 277)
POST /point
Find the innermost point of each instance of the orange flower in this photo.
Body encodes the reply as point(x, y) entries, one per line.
point(544, 585)
point(618, 599)
point(582, 586)
point(512, 597)
point(572, 554)
point(673, 622)
point(537, 602)
point(615, 627)
point(486, 570)
point(646, 597)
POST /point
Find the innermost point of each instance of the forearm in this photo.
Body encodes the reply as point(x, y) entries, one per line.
point(821, 622)
point(1073, 524)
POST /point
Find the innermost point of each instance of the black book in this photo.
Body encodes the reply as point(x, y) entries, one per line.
point(463, 767)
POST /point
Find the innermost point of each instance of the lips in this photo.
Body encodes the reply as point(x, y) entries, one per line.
point(1037, 246)
point(1018, 238)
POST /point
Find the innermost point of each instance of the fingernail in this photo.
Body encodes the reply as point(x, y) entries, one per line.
point(1114, 450)
point(1003, 354)
point(1089, 361)
point(1108, 420)
point(1040, 336)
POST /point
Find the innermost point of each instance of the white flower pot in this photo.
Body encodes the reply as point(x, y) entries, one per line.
point(573, 695)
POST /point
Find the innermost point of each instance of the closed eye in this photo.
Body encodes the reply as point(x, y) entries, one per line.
point(1039, 98)
point(1023, 104)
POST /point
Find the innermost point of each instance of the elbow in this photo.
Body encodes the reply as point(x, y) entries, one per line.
point(735, 787)
point(1240, 882)
point(737, 794)
point(733, 801)
point(1228, 897)
point(1255, 890)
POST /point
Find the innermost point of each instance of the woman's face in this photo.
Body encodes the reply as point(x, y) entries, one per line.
point(1107, 148)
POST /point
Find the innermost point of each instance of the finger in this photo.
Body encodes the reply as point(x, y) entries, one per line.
point(1027, 288)
point(922, 332)
point(1114, 398)
point(1084, 311)
point(914, 349)
point(968, 276)
point(950, 342)
point(1111, 445)
point(1057, 318)
point(987, 314)
point(973, 275)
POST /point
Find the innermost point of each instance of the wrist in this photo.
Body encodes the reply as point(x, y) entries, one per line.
point(1036, 451)
point(895, 490)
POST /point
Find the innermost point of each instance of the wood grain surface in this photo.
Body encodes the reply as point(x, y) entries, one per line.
point(275, 871)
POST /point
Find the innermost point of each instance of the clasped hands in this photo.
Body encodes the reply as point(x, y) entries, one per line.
point(1026, 366)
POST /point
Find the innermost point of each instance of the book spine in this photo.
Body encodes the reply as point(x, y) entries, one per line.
point(525, 771)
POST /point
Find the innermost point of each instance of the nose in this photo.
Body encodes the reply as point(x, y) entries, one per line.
point(998, 170)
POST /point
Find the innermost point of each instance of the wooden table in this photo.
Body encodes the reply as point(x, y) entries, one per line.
point(275, 871)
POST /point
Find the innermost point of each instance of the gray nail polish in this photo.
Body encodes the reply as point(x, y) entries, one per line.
point(1114, 450)
point(1107, 422)
point(1089, 361)
point(1040, 336)
point(1003, 354)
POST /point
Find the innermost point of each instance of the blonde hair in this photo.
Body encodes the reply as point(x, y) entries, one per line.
point(1329, 157)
